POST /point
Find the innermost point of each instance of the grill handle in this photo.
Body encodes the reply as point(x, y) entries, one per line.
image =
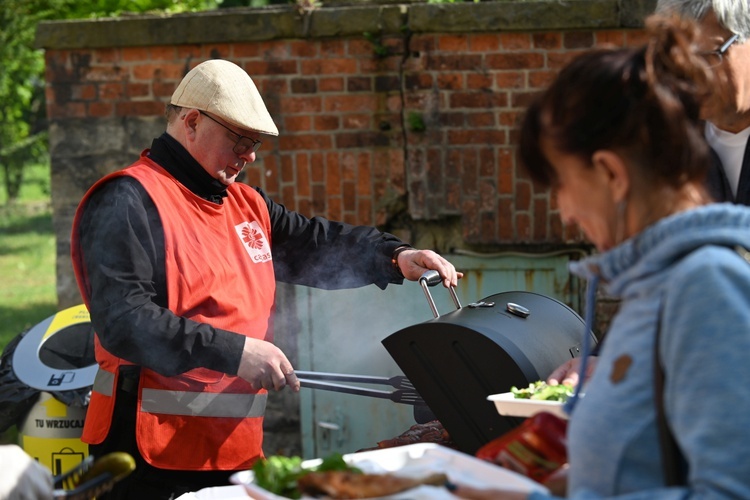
point(432, 278)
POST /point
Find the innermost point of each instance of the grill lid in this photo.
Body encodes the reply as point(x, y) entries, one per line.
point(458, 359)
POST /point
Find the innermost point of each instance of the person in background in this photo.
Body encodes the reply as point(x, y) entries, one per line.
point(22, 477)
point(177, 264)
point(618, 138)
point(725, 29)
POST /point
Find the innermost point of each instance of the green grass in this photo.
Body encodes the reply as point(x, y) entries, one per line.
point(27, 257)
point(27, 261)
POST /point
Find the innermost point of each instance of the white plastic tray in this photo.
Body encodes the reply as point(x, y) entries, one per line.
point(418, 460)
point(507, 404)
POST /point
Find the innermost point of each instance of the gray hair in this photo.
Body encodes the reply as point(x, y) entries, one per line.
point(734, 15)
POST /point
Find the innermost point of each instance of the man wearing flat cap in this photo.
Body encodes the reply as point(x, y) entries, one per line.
point(177, 264)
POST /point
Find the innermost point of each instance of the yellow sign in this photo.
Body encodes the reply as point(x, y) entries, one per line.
point(52, 432)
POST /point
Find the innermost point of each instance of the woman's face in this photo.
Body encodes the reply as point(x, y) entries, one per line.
point(584, 197)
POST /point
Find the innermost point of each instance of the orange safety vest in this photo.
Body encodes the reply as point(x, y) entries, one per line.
point(219, 271)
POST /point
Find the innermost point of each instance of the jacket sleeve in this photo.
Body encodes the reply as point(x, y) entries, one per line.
point(326, 254)
point(122, 242)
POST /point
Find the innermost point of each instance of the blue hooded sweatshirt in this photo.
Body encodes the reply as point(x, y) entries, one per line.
point(686, 274)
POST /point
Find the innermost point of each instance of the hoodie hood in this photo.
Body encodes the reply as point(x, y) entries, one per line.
point(666, 242)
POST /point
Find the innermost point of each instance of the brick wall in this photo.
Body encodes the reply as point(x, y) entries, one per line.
point(402, 116)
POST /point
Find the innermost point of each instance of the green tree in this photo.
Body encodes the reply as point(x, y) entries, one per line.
point(23, 136)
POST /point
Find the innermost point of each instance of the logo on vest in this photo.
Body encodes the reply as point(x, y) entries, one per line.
point(254, 241)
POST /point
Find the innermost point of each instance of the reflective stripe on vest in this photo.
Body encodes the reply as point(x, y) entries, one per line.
point(104, 382)
point(197, 404)
point(203, 404)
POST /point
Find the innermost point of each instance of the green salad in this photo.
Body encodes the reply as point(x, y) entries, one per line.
point(279, 474)
point(541, 391)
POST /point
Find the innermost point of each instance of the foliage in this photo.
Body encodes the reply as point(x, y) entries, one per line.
point(23, 137)
point(416, 122)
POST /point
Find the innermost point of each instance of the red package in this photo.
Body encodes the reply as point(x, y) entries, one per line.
point(536, 448)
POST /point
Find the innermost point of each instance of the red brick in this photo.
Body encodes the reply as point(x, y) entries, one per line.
point(288, 197)
point(634, 38)
point(70, 110)
point(250, 50)
point(137, 90)
point(465, 137)
point(328, 67)
point(355, 121)
point(523, 228)
point(511, 79)
point(482, 119)
point(163, 53)
point(541, 79)
point(479, 81)
point(349, 197)
point(297, 123)
point(307, 104)
point(305, 142)
point(107, 56)
point(522, 196)
point(161, 89)
point(302, 169)
point(556, 60)
point(287, 169)
point(329, 48)
point(100, 109)
point(331, 84)
point(547, 41)
point(144, 108)
point(578, 39)
point(364, 211)
point(111, 91)
point(358, 47)
point(484, 42)
point(134, 54)
point(189, 53)
point(609, 38)
point(302, 49)
point(478, 100)
point(160, 71)
point(317, 168)
point(515, 60)
point(268, 67)
point(86, 92)
point(335, 210)
point(218, 51)
point(515, 41)
point(326, 122)
point(453, 43)
point(350, 103)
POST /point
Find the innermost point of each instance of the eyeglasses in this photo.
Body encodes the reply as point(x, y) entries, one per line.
point(243, 144)
point(715, 57)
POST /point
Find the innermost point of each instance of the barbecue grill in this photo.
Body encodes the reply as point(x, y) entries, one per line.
point(454, 361)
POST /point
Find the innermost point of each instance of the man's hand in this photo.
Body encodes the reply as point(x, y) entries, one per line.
point(22, 477)
point(414, 263)
point(567, 373)
point(264, 366)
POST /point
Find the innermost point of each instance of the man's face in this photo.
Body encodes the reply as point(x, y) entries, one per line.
point(730, 112)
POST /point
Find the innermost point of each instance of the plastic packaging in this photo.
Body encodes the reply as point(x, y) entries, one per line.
point(536, 448)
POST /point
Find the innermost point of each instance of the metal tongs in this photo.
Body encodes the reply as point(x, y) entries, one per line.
point(405, 392)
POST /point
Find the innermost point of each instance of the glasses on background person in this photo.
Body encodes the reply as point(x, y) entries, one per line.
point(243, 144)
point(715, 57)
